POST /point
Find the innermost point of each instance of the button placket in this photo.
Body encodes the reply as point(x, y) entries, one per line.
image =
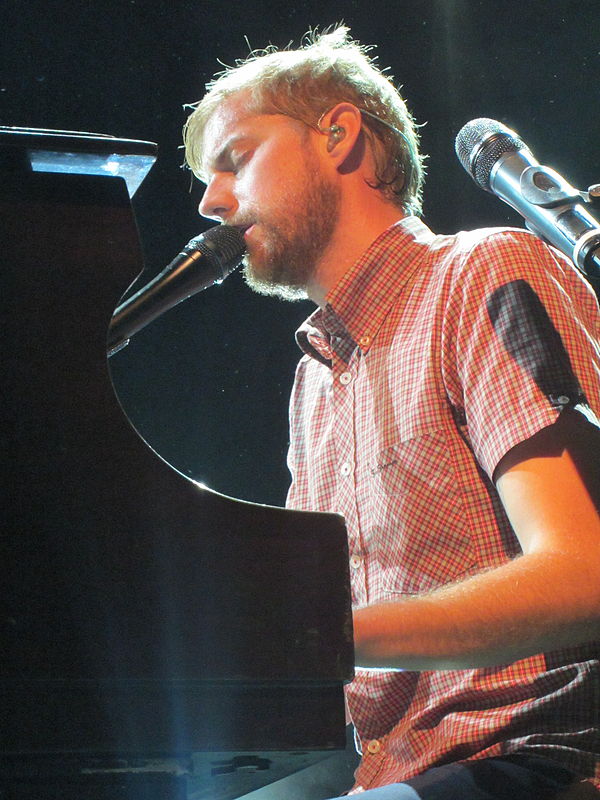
point(343, 399)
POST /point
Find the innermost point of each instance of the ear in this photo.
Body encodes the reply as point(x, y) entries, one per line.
point(341, 128)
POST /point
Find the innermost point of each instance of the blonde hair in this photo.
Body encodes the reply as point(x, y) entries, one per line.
point(327, 69)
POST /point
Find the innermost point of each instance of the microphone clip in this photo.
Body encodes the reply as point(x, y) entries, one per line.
point(544, 187)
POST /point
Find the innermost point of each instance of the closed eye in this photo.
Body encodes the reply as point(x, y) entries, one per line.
point(238, 162)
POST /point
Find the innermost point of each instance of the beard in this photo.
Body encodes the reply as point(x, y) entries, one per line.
point(292, 245)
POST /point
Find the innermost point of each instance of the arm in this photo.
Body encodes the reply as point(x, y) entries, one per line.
point(545, 599)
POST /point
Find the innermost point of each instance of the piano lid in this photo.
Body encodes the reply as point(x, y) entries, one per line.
point(74, 152)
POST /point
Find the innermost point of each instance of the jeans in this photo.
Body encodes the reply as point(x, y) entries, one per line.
point(516, 777)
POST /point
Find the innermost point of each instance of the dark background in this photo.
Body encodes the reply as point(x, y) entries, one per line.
point(208, 383)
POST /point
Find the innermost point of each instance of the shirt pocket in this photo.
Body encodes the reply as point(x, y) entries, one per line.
point(421, 537)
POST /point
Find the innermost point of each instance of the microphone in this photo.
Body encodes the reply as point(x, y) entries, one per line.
point(206, 259)
point(500, 162)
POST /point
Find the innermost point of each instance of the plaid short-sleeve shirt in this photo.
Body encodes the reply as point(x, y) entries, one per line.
point(434, 356)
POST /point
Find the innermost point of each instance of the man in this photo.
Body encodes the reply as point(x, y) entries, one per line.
point(446, 406)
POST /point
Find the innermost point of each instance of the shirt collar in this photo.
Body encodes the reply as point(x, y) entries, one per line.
point(357, 306)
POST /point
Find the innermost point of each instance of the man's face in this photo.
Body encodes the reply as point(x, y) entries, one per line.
point(265, 175)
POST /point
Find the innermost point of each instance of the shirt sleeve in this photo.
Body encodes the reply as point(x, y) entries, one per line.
point(520, 342)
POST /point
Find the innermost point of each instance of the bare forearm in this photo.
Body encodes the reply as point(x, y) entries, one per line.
point(545, 599)
point(537, 602)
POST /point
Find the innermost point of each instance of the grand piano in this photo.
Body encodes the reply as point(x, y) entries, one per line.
point(158, 640)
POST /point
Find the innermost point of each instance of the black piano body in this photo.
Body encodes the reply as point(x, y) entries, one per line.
point(154, 634)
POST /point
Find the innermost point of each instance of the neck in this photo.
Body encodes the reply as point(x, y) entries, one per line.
point(358, 227)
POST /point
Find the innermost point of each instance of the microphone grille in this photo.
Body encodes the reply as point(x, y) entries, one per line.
point(223, 246)
point(479, 145)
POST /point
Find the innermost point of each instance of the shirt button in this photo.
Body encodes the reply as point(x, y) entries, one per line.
point(355, 561)
point(374, 746)
point(564, 400)
point(346, 468)
point(345, 378)
point(364, 341)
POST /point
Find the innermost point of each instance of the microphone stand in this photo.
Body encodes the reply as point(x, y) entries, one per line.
point(566, 223)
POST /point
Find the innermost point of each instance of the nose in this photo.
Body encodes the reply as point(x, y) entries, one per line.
point(218, 201)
